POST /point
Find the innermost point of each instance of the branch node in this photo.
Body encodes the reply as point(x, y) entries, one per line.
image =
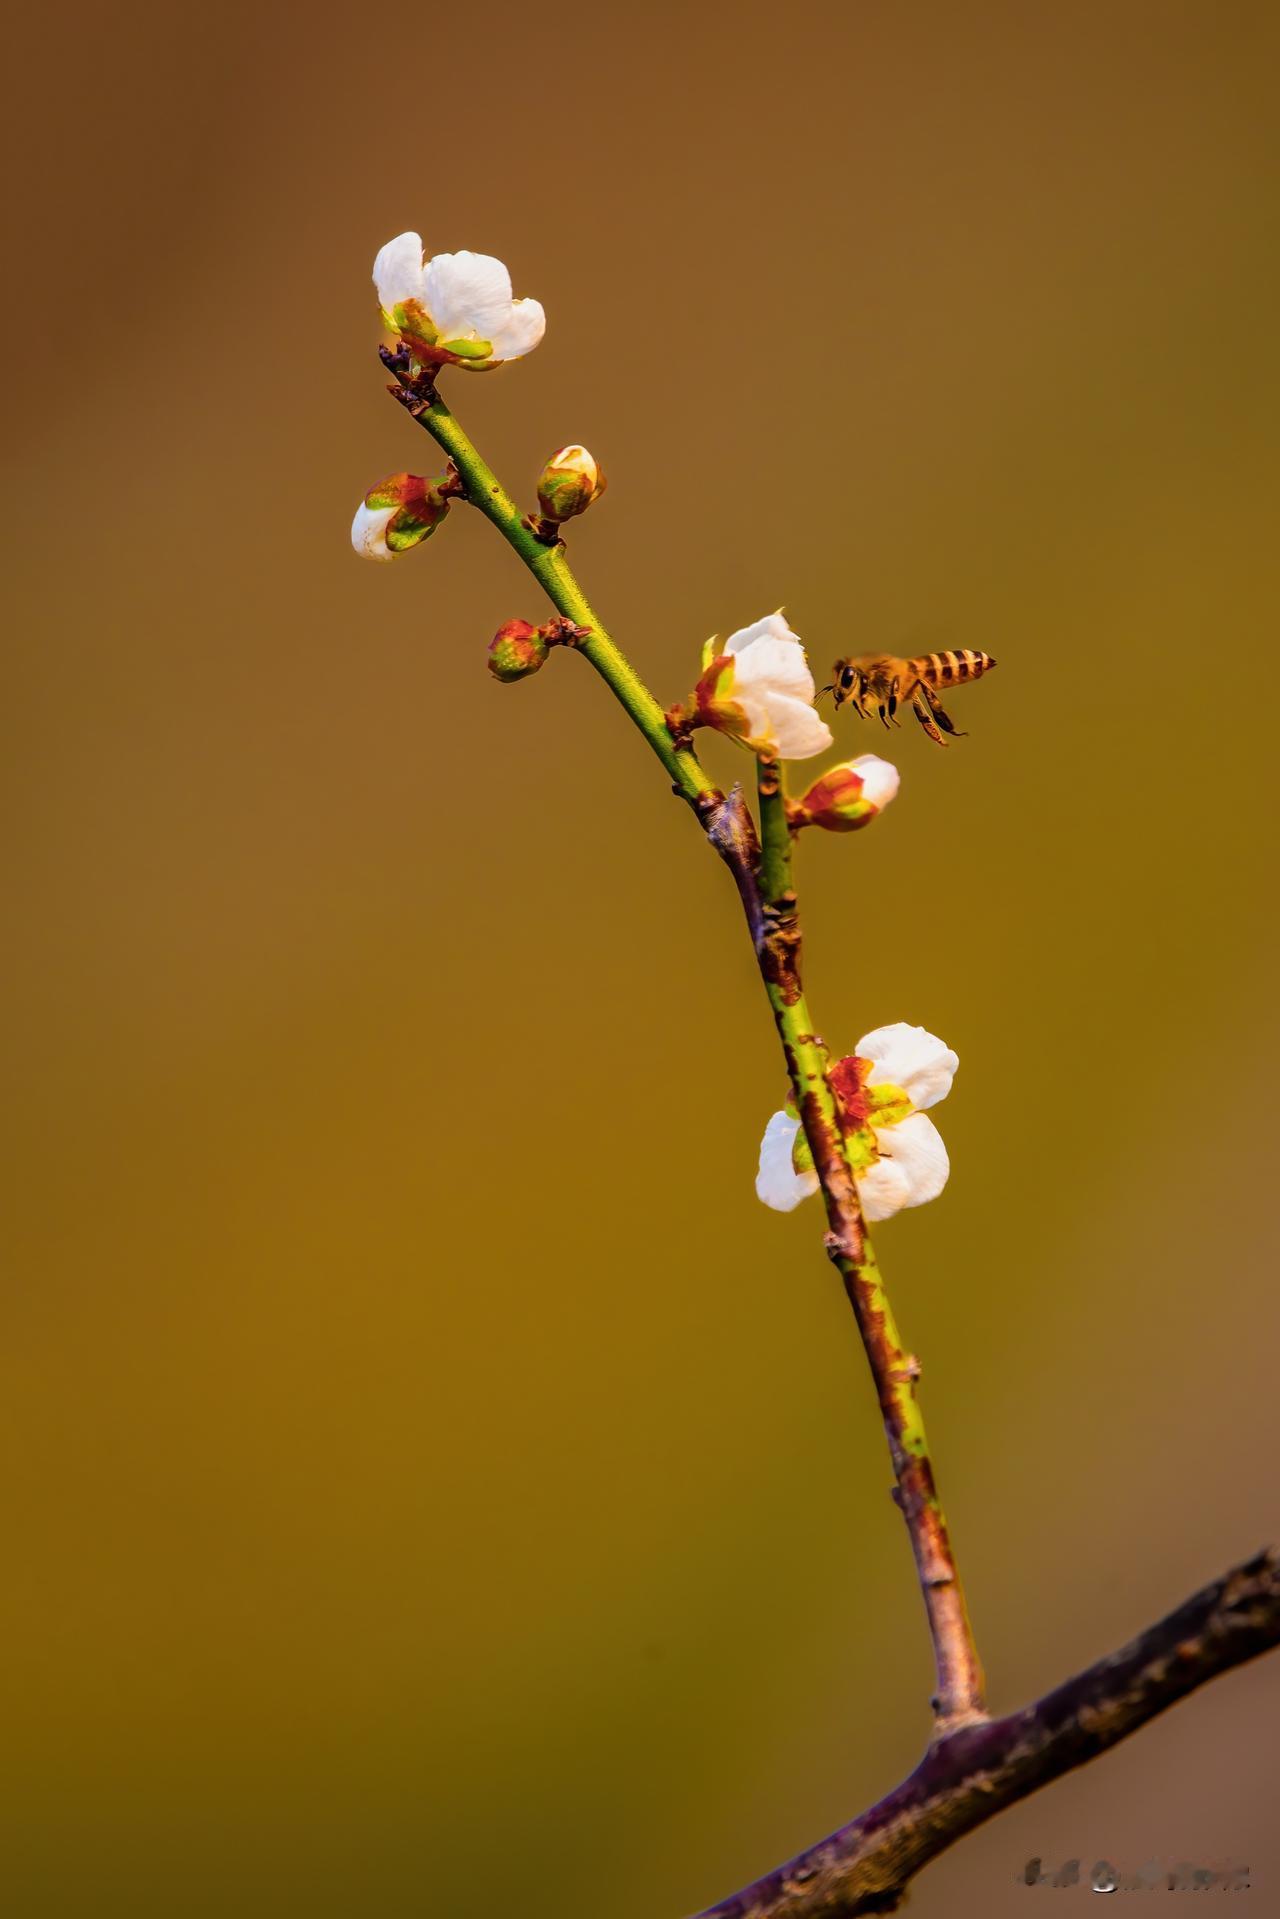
point(562, 632)
point(415, 392)
point(545, 532)
point(680, 724)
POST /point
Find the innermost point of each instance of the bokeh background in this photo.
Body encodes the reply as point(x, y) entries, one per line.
point(433, 1484)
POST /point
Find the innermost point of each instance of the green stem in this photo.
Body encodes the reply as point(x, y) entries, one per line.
point(775, 836)
point(553, 573)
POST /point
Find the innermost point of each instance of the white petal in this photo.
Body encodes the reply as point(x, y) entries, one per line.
point(771, 627)
point(909, 1057)
point(883, 1191)
point(912, 1168)
point(397, 271)
point(759, 717)
point(798, 730)
point(468, 295)
point(779, 665)
point(879, 784)
point(520, 332)
point(777, 1182)
point(915, 1148)
point(368, 531)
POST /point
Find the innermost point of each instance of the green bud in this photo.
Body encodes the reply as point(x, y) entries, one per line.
point(516, 650)
point(568, 483)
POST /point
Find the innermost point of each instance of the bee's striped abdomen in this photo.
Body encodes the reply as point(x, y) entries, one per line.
point(948, 669)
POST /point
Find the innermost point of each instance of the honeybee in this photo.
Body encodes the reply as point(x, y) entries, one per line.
point(878, 684)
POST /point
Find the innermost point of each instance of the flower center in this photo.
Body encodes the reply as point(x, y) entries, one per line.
point(848, 1081)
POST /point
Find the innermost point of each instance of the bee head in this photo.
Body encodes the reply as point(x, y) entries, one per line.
point(847, 684)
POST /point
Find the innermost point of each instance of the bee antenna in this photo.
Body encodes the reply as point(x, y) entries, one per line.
point(821, 691)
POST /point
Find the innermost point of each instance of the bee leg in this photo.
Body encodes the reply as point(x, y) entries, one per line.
point(893, 702)
point(940, 714)
point(919, 706)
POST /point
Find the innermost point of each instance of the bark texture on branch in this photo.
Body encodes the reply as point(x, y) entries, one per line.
point(970, 1775)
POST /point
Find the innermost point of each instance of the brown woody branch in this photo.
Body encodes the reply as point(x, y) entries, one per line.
point(970, 1775)
point(975, 1766)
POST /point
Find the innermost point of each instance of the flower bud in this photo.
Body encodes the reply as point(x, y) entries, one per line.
point(847, 796)
point(399, 513)
point(568, 483)
point(516, 650)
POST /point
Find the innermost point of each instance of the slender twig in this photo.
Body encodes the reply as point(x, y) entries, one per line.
point(762, 873)
point(775, 834)
point(974, 1773)
point(958, 1699)
point(551, 570)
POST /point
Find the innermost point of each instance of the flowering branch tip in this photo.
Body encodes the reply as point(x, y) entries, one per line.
point(454, 309)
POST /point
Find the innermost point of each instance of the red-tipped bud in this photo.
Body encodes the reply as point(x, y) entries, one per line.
point(516, 650)
point(568, 483)
point(401, 512)
point(848, 796)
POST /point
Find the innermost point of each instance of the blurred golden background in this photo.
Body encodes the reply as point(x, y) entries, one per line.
point(390, 1531)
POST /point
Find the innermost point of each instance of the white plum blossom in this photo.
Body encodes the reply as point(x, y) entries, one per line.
point(457, 306)
point(758, 687)
point(896, 1152)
